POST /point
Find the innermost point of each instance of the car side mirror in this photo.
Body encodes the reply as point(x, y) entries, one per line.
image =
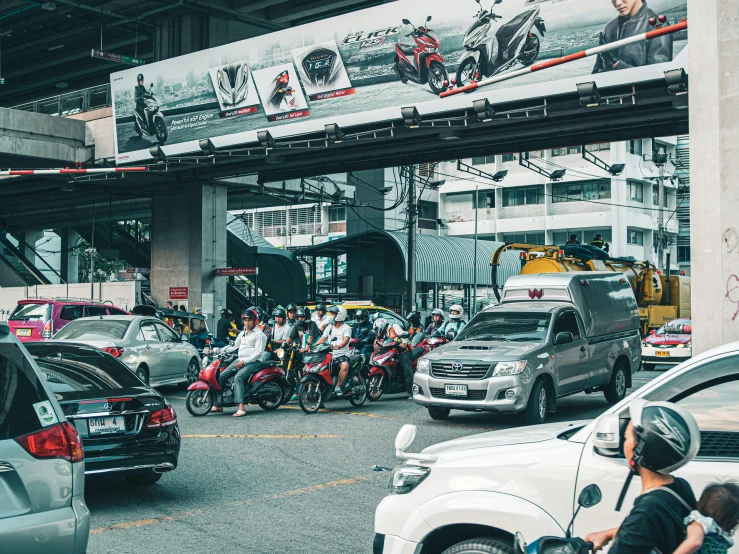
point(405, 437)
point(653, 332)
point(590, 496)
point(563, 338)
point(607, 435)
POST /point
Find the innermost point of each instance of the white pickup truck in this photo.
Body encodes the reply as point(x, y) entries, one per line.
point(492, 485)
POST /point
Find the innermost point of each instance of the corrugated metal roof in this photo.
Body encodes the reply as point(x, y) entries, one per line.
point(445, 260)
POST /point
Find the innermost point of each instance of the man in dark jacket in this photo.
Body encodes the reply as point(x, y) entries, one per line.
point(223, 326)
point(633, 19)
point(140, 94)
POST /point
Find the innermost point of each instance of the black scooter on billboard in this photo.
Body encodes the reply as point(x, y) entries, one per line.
point(153, 125)
point(421, 63)
point(282, 91)
point(489, 53)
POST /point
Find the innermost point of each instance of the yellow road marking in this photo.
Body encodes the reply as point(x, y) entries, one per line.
point(197, 513)
point(225, 436)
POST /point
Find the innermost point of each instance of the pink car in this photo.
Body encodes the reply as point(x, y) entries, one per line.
point(671, 344)
point(38, 319)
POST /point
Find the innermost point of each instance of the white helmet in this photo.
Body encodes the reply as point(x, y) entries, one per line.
point(456, 308)
point(380, 323)
point(399, 331)
point(341, 316)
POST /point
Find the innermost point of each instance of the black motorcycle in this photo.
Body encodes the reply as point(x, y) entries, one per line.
point(152, 124)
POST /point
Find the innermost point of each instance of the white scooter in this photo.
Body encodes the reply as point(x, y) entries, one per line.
point(154, 125)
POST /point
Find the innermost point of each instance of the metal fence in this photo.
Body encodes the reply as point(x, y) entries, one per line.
point(70, 103)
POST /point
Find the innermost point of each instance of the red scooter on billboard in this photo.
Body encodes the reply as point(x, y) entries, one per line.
point(267, 388)
point(421, 63)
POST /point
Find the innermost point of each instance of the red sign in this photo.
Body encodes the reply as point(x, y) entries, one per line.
point(178, 293)
point(332, 94)
point(289, 115)
point(236, 271)
point(239, 111)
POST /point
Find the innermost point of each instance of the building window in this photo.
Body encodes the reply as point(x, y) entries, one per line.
point(635, 237)
point(337, 213)
point(525, 238)
point(483, 160)
point(561, 237)
point(509, 158)
point(486, 200)
point(683, 253)
point(584, 190)
point(636, 192)
point(635, 147)
point(519, 196)
point(567, 150)
point(428, 210)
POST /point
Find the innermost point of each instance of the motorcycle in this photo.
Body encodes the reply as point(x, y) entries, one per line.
point(385, 375)
point(320, 376)
point(289, 361)
point(267, 388)
point(233, 83)
point(589, 497)
point(421, 64)
point(282, 92)
point(153, 125)
point(488, 54)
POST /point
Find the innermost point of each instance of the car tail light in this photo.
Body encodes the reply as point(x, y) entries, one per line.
point(162, 418)
point(114, 351)
point(48, 330)
point(58, 441)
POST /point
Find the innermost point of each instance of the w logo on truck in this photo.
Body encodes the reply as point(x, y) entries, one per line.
point(535, 293)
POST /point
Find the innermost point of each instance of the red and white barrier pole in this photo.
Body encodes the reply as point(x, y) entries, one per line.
point(71, 171)
point(474, 85)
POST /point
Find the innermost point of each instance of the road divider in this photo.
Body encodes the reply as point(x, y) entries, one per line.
point(227, 436)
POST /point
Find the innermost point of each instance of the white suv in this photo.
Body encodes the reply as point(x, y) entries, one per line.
point(494, 484)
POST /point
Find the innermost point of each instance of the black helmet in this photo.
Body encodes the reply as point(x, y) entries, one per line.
point(279, 312)
point(667, 436)
point(303, 312)
point(598, 237)
point(139, 77)
point(361, 314)
point(414, 317)
point(225, 312)
point(321, 307)
point(291, 308)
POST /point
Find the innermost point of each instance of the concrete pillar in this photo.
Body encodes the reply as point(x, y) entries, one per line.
point(619, 197)
point(714, 158)
point(70, 259)
point(188, 242)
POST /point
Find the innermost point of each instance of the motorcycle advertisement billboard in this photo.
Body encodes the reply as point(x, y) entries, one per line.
point(364, 66)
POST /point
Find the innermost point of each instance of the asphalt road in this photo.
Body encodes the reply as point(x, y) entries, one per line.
point(280, 481)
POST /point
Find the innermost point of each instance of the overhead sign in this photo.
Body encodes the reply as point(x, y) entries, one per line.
point(113, 57)
point(178, 293)
point(237, 271)
point(362, 67)
point(2, 80)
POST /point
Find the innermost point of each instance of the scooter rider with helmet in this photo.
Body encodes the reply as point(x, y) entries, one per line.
point(405, 356)
point(305, 331)
point(437, 322)
point(281, 330)
point(262, 323)
point(660, 438)
point(321, 317)
point(338, 336)
point(455, 323)
point(364, 332)
point(291, 309)
point(223, 326)
point(140, 95)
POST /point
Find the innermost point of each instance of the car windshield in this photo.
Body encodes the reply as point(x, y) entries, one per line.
point(507, 326)
point(75, 370)
point(675, 328)
point(94, 329)
point(30, 312)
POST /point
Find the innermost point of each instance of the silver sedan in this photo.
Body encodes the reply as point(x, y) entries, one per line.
point(149, 347)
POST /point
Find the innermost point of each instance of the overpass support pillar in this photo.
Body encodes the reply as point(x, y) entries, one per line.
point(714, 162)
point(188, 243)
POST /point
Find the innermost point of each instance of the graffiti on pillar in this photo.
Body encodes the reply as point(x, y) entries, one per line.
point(731, 239)
point(732, 293)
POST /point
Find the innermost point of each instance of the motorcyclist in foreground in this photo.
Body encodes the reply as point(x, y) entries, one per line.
point(338, 336)
point(660, 438)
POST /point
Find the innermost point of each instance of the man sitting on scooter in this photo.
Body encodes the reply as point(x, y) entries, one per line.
point(140, 94)
point(338, 336)
point(305, 331)
point(363, 332)
point(250, 344)
point(437, 322)
point(281, 330)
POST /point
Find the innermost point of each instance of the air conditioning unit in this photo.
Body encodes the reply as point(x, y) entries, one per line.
point(293, 229)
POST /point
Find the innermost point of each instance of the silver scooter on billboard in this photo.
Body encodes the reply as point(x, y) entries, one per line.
point(153, 125)
point(488, 53)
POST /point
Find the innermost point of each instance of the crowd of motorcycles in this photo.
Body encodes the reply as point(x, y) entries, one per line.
point(311, 376)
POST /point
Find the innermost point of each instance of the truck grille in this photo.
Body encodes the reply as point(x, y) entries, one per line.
point(457, 370)
point(471, 394)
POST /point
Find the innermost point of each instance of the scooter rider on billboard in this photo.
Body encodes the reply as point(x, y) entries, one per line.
point(633, 19)
point(140, 94)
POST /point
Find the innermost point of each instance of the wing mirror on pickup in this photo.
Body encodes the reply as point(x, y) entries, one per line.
point(563, 338)
point(450, 335)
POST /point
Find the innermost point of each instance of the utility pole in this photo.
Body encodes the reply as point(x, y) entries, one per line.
point(660, 160)
point(473, 307)
point(412, 212)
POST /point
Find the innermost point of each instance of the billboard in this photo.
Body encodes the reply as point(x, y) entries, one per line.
point(363, 66)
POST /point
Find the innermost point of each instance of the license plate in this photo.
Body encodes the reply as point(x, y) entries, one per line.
point(662, 354)
point(105, 425)
point(23, 332)
point(455, 390)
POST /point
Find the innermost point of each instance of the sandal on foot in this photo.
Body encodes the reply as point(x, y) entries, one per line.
point(240, 413)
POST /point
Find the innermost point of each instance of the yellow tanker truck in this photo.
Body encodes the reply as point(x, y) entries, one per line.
point(661, 298)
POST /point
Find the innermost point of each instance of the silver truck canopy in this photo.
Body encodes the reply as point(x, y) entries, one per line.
point(605, 299)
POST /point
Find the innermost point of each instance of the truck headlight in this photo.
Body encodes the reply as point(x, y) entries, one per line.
point(509, 368)
point(407, 478)
point(423, 366)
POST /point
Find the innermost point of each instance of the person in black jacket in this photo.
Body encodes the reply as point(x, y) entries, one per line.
point(140, 94)
point(633, 19)
point(223, 326)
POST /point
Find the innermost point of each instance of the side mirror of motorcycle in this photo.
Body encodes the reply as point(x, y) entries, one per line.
point(428, 19)
point(406, 22)
point(450, 336)
point(589, 497)
point(151, 85)
point(498, 1)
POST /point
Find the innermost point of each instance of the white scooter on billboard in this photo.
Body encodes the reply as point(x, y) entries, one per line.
point(489, 53)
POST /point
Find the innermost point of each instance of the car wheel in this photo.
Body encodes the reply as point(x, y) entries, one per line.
point(536, 410)
point(143, 479)
point(143, 374)
point(193, 373)
point(648, 367)
point(615, 391)
point(439, 413)
point(481, 546)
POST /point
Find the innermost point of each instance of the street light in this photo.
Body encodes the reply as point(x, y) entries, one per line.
point(334, 133)
point(265, 140)
point(411, 117)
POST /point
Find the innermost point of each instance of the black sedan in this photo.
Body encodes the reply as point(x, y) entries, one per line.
point(127, 428)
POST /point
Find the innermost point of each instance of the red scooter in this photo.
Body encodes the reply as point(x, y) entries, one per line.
point(267, 388)
point(385, 374)
point(421, 64)
point(320, 375)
